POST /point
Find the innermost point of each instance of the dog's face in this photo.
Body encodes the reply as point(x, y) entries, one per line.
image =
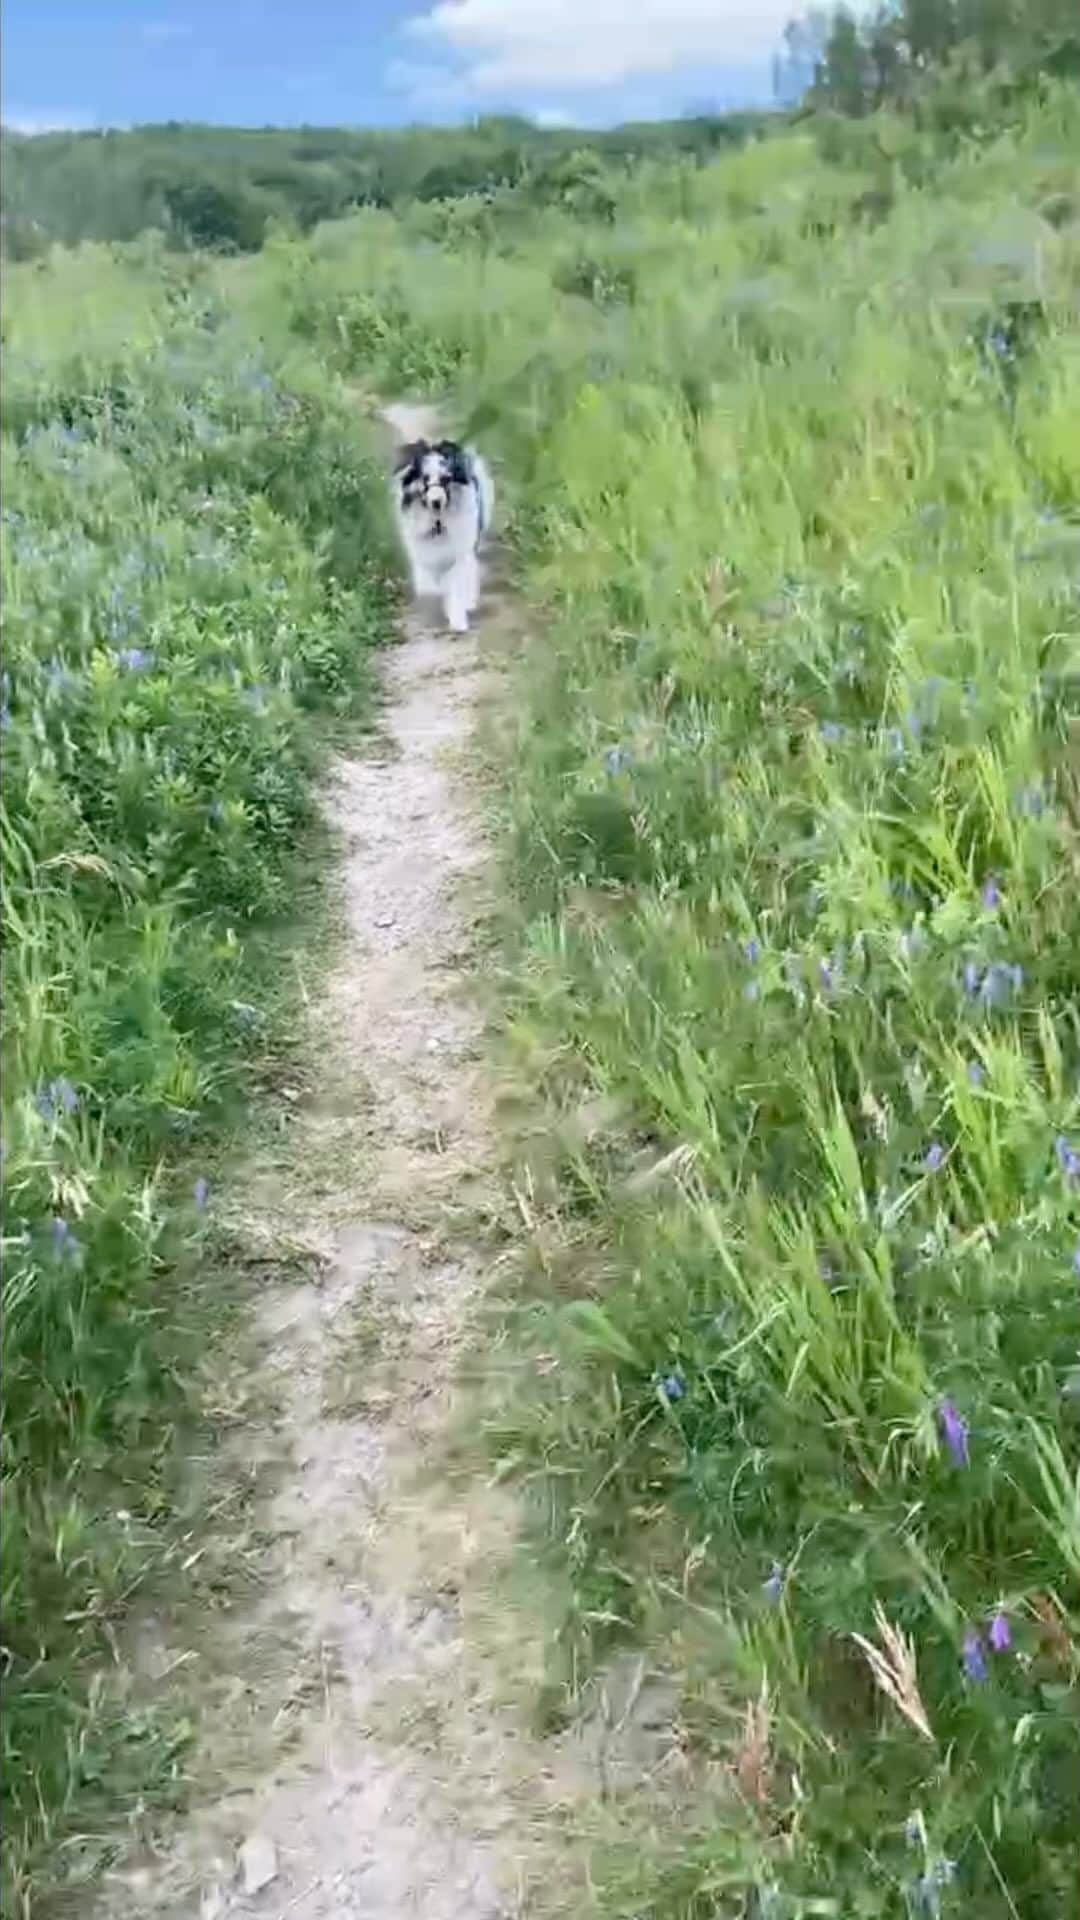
point(428, 476)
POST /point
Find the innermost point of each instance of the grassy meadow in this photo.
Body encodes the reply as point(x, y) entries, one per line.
point(791, 445)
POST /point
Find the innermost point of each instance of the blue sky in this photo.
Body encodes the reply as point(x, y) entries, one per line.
point(378, 62)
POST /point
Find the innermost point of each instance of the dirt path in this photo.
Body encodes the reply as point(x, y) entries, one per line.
point(352, 1760)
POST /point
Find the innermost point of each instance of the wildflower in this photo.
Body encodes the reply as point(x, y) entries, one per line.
point(1000, 982)
point(65, 1245)
point(617, 759)
point(673, 1386)
point(752, 951)
point(991, 894)
point(752, 990)
point(973, 1656)
point(134, 659)
point(56, 1098)
point(971, 977)
point(976, 1073)
point(955, 1429)
point(1030, 801)
point(201, 1192)
point(828, 973)
point(1076, 1261)
point(1068, 1158)
point(999, 1632)
point(928, 1887)
point(934, 1157)
point(831, 732)
point(773, 1587)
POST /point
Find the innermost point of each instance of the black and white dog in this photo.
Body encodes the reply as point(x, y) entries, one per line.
point(444, 498)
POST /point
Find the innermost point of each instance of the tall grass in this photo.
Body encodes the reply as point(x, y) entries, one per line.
point(793, 827)
point(193, 571)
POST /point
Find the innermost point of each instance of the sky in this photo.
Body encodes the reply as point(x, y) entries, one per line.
point(92, 63)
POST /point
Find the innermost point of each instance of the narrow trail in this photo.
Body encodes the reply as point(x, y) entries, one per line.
point(351, 1762)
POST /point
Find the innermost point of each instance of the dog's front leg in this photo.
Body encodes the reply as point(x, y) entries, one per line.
point(456, 600)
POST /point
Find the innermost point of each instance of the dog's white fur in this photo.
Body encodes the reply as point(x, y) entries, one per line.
point(444, 499)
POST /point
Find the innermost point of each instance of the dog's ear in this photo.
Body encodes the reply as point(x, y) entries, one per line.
point(457, 460)
point(410, 455)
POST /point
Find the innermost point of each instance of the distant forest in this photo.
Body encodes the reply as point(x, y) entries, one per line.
point(209, 186)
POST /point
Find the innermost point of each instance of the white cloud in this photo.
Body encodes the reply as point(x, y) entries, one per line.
point(552, 117)
point(48, 119)
point(506, 45)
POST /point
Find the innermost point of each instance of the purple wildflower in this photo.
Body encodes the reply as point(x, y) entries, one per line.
point(955, 1429)
point(999, 1633)
point(1076, 1261)
point(991, 894)
point(934, 1157)
point(974, 1657)
point(752, 951)
point(976, 1073)
point(831, 732)
point(1068, 1158)
point(134, 659)
point(201, 1192)
point(673, 1386)
point(1000, 983)
point(617, 759)
point(773, 1587)
point(1030, 801)
point(65, 1245)
point(58, 1097)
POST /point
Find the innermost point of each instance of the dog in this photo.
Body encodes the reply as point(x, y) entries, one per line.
point(444, 498)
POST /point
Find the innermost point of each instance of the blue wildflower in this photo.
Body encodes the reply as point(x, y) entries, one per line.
point(65, 1245)
point(201, 1192)
point(773, 1587)
point(1076, 1262)
point(976, 1073)
point(752, 951)
point(673, 1386)
point(831, 732)
point(1000, 983)
point(999, 1632)
point(58, 1097)
point(934, 1157)
point(134, 659)
point(1067, 1157)
point(991, 894)
point(955, 1429)
point(1030, 801)
point(974, 1656)
point(617, 759)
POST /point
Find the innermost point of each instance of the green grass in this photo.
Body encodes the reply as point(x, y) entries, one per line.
point(792, 817)
point(194, 576)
